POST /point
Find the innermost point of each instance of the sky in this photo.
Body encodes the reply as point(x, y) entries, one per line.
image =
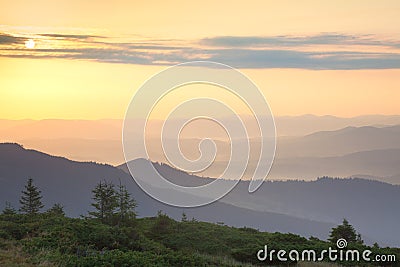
point(337, 58)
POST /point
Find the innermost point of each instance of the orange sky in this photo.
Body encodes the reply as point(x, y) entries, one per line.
point(71, 85)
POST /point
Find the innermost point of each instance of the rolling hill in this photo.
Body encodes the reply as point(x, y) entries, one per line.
point(305, 208)
point(364, 202)
point(70, 183)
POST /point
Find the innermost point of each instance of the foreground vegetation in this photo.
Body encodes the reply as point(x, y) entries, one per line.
point(54, 240)
point(111, 235)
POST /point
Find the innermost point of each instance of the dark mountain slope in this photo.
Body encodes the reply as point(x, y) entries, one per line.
point(70, 183)
point(372, 206)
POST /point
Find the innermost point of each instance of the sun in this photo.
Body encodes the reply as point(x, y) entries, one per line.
point(30, 44)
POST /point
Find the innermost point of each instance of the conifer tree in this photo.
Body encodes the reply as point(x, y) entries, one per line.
point(9, 210)
point(57, 209)
point(105, 202)
point(346, 231)
point(126, 204)
point(31, 199)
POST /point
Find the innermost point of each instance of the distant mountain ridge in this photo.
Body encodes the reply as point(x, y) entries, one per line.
point(111, 128)
point(340, 142)
point(367, 151)
point(382, 165)
point(299, 136)
point(305, 208)
point(324, 199)
point(70, 183)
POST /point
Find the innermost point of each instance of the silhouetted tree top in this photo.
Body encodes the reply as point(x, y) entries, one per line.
point(126, 204)
point(57, 209)
point(105, 201)
point(9, 209)
point(31, 199)
point(346, 231)
point(113, 206)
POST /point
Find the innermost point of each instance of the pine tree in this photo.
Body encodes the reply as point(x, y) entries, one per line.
point(346, 231)
point(184, 217)
point(126, 204)
point(31, 199)
point(57, 210)
point(9, 210)
point(105, 202)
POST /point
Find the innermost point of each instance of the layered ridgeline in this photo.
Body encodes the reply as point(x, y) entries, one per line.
point(305, 208)
point(70, 183)
point(307, 146)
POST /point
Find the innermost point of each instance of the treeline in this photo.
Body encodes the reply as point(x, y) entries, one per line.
point(112, 204)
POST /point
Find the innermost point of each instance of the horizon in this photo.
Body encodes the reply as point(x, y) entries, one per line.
point(278, 116)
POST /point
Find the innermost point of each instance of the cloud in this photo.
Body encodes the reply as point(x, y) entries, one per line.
point(243, 58)
point(70, 36)
point(293, 41)
point(323, 51)
point(7, 39)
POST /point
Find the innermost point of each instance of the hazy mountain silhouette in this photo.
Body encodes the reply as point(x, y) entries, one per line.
point(364, 202)
point(308, 124)
point(110, 129)
point(306, 208)
point(382, 165)
point(100, 140)
point(59, 129)
point(340, 142)
point(371, 206)
point(366, 151)
point(70, 183)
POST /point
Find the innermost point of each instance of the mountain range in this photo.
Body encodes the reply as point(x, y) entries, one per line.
point(298, 136)
point(70, 183)
point(308, 208)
